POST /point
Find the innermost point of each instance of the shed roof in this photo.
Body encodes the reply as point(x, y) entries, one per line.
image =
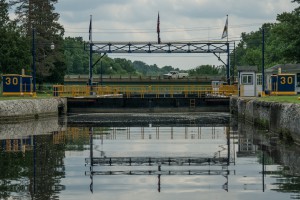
point(285, 68)
point(247, 68)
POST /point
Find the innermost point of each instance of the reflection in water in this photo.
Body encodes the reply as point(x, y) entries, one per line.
point(154, 161)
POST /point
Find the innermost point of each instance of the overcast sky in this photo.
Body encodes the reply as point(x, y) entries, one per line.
point(180, 20)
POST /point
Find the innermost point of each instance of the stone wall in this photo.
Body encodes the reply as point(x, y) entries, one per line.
point(11, 110)
point(281, 118)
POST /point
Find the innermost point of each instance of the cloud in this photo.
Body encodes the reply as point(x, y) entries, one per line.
point(180, 20)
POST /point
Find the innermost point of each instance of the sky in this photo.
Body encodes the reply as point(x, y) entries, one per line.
point(180, 20)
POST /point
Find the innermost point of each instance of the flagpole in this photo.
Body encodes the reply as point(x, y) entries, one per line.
point(158, 29)
point(91, 57)
point(228, 52)
point(227, 28)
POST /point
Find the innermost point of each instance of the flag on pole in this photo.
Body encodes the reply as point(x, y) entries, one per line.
point(158, 29)
point(90, 29)
point(225, 31)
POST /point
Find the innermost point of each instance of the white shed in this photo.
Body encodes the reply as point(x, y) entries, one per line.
point(250, 82)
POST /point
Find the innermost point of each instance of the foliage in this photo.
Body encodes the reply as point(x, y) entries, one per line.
point(152, 70)
point(77, 60)
point(249, 50)
point(14, 49)
point(4, 19)
point(282, 42)
point(208, 70)
point(286, 36)
point(40, 16)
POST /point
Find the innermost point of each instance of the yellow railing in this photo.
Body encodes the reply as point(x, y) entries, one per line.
point(129, 91)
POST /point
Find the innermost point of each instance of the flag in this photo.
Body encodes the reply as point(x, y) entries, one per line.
point(158, 29)
point(225, 31)
point(90, 29)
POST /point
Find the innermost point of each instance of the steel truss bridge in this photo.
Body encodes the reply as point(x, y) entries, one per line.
point(152, 47)
point(215, 47)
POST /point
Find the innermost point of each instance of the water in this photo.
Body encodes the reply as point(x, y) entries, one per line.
point(145, 156)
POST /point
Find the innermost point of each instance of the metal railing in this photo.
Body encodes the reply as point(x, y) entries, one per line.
point(130, 91)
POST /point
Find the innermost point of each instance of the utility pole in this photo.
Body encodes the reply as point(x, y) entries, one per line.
point(263, 61)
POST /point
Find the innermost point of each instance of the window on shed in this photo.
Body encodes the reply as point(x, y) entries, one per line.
point(298, 79)
point(259, 79)
point(247, 79)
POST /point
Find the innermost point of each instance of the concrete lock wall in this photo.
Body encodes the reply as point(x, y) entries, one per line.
point(281, 118)
point(31, 108)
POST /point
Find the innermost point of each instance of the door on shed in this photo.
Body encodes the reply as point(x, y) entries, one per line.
point(247, 85)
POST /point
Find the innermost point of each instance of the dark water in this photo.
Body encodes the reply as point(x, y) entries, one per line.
point(145, 156)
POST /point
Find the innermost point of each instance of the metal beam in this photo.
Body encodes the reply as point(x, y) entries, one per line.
point(168, 47)
point(153, 47)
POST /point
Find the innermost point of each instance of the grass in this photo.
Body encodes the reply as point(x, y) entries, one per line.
point(281, 99)
point(38, 96)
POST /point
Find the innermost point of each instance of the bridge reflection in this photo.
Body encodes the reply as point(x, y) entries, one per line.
point(159, 164)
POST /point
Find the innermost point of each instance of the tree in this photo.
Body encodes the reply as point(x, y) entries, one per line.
point(282, 42)
point(4, 19)
point(14, 49)
point(249, 51)
point(151, 70)
point(207, 70)
point(77, 60)
point(40, 15)
point(286, 36)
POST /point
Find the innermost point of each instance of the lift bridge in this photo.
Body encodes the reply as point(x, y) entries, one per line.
point(158, 89)
point(215, 47)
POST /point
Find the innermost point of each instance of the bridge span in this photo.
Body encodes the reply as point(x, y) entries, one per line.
point(152, 98)
point(82, 79)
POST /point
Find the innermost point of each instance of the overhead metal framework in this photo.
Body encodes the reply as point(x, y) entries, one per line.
point(217, 48)
point(153, 47)
point(214, 47)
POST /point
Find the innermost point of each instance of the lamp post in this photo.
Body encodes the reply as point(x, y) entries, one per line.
point(33, 62)
point(262, 61)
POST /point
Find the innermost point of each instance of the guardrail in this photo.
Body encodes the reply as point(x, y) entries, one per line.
point(130, 91)
point(129, 77)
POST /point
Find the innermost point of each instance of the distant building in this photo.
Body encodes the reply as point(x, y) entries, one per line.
point(250, 82)
point(284, 69)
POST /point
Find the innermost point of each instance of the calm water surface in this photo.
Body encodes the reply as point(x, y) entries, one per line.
point(145, 156)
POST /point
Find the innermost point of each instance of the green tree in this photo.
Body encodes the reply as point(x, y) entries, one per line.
point(77, 59)
point(249, 51)
point(14, 49)
point(151, 70)
point(207, 70)
point(286, 36)
point(40, 15)
point(282, 42)
point(4, 19)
